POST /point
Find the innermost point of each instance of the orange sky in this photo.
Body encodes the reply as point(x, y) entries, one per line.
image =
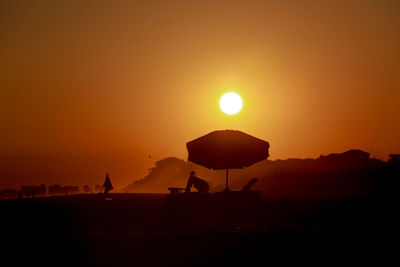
point(87, 88)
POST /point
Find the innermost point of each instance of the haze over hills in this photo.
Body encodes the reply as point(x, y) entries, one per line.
point(348, 174)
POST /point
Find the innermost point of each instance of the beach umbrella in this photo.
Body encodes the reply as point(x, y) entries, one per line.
point(227, 149)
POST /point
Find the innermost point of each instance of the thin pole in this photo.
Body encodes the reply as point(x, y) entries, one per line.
point(226, 180)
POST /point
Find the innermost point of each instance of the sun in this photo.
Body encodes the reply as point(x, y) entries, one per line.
point(230, 103)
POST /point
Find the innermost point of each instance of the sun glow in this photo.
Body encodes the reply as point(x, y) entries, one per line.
point(231, 103)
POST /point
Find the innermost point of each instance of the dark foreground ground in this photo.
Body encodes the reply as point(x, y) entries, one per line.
point(144, 229)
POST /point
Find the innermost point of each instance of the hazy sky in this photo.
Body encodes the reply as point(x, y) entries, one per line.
point(93, 86)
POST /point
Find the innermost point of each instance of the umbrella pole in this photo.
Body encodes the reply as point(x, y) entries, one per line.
point(227, 180)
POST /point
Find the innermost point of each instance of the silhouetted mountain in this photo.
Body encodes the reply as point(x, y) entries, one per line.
point(351, 173)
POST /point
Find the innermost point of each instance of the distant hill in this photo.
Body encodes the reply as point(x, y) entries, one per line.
point(352, 173)
point(167, 172)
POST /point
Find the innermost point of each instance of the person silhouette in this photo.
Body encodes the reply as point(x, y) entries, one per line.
point(107, 185)
point(200, 184)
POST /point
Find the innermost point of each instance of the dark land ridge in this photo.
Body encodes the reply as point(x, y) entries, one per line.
point(328, 224)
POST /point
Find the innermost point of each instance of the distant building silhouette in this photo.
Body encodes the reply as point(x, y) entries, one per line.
point(97, 188)
point(57, 189)
point(87, 189)
point(34, 190)
point(8, 193)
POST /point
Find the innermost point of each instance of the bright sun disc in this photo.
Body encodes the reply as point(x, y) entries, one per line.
point(231, 103)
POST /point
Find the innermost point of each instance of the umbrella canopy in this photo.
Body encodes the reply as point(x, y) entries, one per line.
point(227, 149)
